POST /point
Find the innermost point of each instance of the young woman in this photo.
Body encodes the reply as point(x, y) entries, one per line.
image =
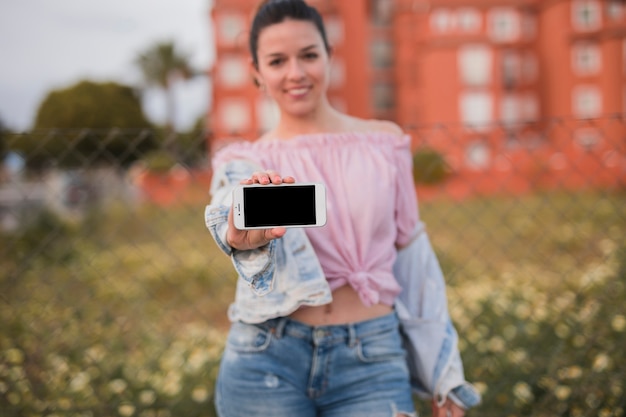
point(324, 318)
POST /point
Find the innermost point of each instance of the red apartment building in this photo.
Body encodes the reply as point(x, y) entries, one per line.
point(534, 89)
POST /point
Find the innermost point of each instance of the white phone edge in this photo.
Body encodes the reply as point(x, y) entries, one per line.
point(239, 213)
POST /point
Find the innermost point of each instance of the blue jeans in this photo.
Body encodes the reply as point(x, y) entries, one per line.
point(284, 368)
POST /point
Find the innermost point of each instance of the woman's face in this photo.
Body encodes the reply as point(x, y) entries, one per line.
point(293, 66)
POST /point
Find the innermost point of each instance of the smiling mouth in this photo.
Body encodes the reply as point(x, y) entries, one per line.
point(298, 91)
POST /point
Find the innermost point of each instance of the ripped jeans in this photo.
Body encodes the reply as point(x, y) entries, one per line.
point(283, 368)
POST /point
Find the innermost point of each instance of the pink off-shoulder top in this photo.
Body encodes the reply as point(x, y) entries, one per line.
point(371, 201)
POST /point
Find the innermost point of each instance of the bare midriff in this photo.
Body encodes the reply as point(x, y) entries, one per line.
point(346, 307)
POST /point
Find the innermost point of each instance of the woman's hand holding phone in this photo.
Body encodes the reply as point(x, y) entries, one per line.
point(253, 239)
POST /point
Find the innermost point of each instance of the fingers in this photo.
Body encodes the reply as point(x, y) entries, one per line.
point(277, 232)
point(256, 238)
point(268, 177)
point(270, 234)
point(448, 409)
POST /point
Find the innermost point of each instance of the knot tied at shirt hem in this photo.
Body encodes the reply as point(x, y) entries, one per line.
point(361, 282)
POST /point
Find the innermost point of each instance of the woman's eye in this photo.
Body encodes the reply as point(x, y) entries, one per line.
point(275, 62)
point(310, 55)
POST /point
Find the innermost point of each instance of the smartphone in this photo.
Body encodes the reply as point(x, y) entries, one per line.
point(288, 205)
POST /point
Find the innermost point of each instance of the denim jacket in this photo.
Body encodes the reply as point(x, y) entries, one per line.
point(430, 337)
point(276, 279)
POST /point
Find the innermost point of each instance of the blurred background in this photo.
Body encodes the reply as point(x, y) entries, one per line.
point(113, 296)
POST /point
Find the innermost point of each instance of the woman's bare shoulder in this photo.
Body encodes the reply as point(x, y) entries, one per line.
point(375, 125)
point(387, 126)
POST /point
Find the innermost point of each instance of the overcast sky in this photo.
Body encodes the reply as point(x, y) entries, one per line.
point(50, 44)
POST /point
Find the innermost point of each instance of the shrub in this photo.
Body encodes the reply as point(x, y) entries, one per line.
point(44, 236)
point(159, 161)
point(429, 167)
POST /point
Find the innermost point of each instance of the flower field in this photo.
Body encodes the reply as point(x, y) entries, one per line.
point(123, 312)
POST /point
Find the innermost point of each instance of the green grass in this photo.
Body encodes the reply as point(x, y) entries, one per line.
point(537, 290)
point(124, 312)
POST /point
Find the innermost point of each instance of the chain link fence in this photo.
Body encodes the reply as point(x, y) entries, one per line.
point(113, 295)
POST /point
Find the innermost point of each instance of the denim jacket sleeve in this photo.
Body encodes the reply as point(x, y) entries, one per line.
point(429, 336)
point(273, 280)
point(253, 266)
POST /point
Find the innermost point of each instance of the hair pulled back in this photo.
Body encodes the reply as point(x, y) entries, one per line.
point(271, 12)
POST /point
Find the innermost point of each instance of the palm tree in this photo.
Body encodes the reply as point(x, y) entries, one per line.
point(161, 65)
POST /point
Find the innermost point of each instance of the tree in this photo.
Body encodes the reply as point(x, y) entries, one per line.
point(161, 65)
point(88, 122)
point(92, 105)
point(191, 147)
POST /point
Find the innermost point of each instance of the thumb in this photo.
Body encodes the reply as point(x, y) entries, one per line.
point(277, 232)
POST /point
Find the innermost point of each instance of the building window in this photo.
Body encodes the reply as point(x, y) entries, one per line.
point(441, 21)
point(586, 15)
point(383, 96)
point(504, 25)
point(510, 110)
point(334, 30)
point(468, 20)
point(615, 9)
point(234, 115)
point(586, 58)
point(381, 52)
point(476, 110)
point(382, 12)
point(229, 28)
point(475, 63)
point(587, 102)
point(267, 114)
point(337, 73)
point(232, 71)
point(511, 69)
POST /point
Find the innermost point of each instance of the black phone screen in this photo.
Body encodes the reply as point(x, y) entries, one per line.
point(269, 206)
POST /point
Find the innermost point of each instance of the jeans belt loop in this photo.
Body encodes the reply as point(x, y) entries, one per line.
point(280, 327)
point(352, 337)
